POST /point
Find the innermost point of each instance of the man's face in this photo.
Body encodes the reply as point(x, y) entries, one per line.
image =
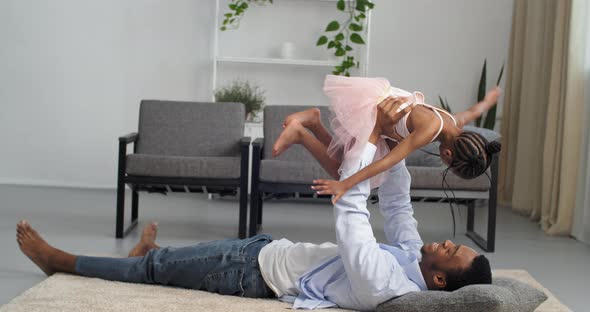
point(447, 256)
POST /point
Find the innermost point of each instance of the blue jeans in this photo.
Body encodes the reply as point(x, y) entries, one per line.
point(227, 267)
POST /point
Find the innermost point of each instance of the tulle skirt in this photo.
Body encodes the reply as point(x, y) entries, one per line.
point(353, 107)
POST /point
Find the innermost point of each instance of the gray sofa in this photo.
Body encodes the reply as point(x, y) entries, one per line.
point(292, 172)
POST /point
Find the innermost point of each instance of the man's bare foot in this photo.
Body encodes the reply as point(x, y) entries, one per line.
point(34, 246)
point(291, 135)
point(147, 241)
point(308, 118)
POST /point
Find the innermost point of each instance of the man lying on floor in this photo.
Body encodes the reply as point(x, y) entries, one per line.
point(357, 273)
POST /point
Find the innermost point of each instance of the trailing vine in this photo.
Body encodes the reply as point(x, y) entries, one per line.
point(345, 35)
point(237, 8)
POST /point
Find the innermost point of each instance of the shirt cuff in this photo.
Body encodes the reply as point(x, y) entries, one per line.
point(368, 153)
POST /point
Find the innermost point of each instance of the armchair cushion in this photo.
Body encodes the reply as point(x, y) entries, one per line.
point(182, 166)
point(171, 128)
point(282, 171)
point(431, 178)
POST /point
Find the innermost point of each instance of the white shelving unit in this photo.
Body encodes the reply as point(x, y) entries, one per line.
point(277, 61)
point(318, 11)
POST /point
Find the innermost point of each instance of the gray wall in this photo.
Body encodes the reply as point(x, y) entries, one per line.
point(72, 73)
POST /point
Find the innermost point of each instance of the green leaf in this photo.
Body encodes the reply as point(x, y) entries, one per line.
point(370, 5)
point(322, 40)
point(362, 15)
point(490, 120)
point(331, 44)
point(481, 90)
point(223, 28)
point(339, 37)
point(227, 14)
point(355, 27)
point(334, 72)
point(225, 22)
point(334, 25)
point(360, 5)
point(341, 5)
point(356, 38)
point(347, 74)
point(233, 6)
point(244, 5)
point(500, 75)
point(348, 48)
point(340, 52)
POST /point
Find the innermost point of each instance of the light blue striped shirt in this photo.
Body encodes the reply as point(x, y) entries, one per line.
point(366, 273)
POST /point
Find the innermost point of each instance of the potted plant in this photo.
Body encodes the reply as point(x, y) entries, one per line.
point(242, 91)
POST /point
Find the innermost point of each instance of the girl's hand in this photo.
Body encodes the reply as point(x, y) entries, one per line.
point(330, 187)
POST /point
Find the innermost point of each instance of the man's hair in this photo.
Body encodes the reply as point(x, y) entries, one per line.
point(473, 154)
point(479, 273)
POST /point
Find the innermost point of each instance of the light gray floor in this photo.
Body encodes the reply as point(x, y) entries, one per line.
point(82, 221)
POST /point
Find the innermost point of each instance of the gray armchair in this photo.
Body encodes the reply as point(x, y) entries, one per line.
point(184, 147)
point(293, 171)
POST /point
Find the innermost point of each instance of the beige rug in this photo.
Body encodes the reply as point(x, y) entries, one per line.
point(63, 292)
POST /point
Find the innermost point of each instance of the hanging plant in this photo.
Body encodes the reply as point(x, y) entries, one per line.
point(347, 33)
point(237, 8)
point(340, 36)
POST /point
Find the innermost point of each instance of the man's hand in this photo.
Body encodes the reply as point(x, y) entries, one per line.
point(388, 116)
point(388, 110)
point(330, 187)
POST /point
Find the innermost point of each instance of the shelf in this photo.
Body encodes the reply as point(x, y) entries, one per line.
point(254, 60)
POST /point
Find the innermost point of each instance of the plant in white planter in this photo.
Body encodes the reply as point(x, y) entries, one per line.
point(241, 91)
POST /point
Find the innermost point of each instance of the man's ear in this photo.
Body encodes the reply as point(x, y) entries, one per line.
point(439, 279)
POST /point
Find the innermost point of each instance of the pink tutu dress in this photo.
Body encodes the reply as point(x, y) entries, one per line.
point(353, 104)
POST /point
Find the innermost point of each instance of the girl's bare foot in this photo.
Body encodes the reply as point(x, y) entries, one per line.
point(492, 95)
point(147, 241)
point(308, 118)
point(35, 247)
point(291, 135)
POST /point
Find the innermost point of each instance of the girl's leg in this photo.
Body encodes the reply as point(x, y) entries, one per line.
point(311, 119)
point(295, 133)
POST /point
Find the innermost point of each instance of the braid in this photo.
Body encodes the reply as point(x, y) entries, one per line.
point(472, 154)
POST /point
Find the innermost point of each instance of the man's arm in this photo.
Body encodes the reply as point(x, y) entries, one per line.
point(395, 205)
point(375, 275)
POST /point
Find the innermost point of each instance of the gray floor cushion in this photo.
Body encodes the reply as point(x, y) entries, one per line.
point(504, 295)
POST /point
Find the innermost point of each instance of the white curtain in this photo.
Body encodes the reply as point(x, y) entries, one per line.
point(581, 226)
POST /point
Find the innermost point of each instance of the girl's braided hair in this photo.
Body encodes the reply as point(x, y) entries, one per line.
point(473, 154)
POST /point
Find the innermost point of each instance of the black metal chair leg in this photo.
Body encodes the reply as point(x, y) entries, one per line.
point(254, 199)
point(488, 244)
point(120, 210)
point(470, 215)
point(243, 218)
point(260, 202)
point(134, 205)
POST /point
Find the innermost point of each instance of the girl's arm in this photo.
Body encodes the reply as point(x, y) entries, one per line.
point(478, 109)
point(414, 141)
